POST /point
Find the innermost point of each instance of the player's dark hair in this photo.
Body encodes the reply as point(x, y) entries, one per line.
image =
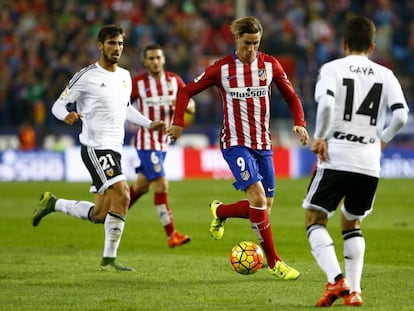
point(247, 24)
point(110, 31)
point(359, 33)
point(150, 47)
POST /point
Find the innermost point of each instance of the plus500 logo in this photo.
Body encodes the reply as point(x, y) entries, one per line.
point(242, 92)
point(353, 138)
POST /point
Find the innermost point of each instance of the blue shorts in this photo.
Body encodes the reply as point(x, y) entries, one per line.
point(250, 166)
point(152, 163)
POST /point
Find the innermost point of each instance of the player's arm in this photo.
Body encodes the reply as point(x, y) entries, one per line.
point(64, 107)
point(323, 118)
point(398, 120)
point(295, 105)
point(136, 117)
point(398, 105)
point(199, 84)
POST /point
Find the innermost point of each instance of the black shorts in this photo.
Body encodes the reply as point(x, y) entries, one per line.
point(104, 166)
point(328, 188)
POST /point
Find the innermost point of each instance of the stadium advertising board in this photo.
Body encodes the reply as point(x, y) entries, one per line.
point(181, 163)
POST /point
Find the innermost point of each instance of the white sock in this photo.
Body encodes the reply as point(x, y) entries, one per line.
point(354, 250)
point(164, 214)
point(323, 250)
point(114, 226)
point(78, 209)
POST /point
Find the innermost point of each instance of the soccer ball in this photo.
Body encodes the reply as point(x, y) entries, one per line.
point(246, 257)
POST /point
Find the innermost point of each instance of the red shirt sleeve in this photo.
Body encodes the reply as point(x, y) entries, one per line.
point(286, 89)
point(199, 84)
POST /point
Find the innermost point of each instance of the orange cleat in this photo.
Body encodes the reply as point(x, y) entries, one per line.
point(177, 239)
point(353, 299)
point(333, 292)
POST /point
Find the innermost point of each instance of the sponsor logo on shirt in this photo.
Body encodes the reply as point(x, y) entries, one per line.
point(159, 100)
point(248, 92)
point(353, 138)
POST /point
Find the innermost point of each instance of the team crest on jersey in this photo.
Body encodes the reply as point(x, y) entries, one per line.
point(245, 175)
point(64, 93)
point(124, 84)
point(262, 74)
point(110, 172)
point(157, 168)
point(169, 86)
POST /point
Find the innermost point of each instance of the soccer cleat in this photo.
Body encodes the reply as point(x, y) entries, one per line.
point(216, 225)
point(353, 299)
point(284, 271)
point(109, 264)
point(333, 292)
point(177, 239)
point(46, 206)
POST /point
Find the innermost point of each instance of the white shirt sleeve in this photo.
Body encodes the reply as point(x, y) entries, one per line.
point(134, 116)
point(398, 120)
point(59, 107)
point(323, 116)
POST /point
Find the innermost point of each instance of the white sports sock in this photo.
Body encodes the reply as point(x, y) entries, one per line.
point(164, 214)
point(78, 209)
point(323, 250)
point(354, 250)
point(114, 226)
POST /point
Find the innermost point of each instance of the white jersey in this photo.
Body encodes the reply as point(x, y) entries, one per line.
point(102, 97)
point(360, 92)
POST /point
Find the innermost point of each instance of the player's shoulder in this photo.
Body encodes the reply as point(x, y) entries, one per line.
point(123, 71)
point(83, 73)
point(227, 59)
point(266, 56)
point(171, 75)
point(140, 76)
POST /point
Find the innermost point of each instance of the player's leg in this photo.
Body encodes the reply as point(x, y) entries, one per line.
point(259, 221)
point(118, 196)
point(320, 202)
point(165, 215)
point(139, 188)
point(111, 200)
point(80, 209)
point(354, 251)
point(236, 159)
point(358, 204)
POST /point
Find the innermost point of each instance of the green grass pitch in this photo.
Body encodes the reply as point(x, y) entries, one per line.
point(56, 265)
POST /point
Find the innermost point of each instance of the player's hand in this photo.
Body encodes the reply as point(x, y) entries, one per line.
point(383, 145)
point(320, 148)
point(174, 131)
point(157, 125)
point(304, 136)
point(72, 117)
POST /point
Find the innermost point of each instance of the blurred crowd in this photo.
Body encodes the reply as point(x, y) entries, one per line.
point(44, 42)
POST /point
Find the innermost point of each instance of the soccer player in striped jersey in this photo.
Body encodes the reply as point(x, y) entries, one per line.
point(99, 96)
point(353, 95)
point(244, 79)
point(153, 94)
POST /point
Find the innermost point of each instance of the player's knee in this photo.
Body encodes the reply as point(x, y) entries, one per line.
point(143, 189)
point(99, 215)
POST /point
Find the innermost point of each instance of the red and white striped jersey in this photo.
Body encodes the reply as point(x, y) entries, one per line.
point(245, 90)
point(155, 99)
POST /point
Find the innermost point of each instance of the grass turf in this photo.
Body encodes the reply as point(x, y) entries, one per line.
point(56, 265)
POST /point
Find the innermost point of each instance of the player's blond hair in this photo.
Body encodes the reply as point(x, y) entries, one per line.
point(247, 24)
